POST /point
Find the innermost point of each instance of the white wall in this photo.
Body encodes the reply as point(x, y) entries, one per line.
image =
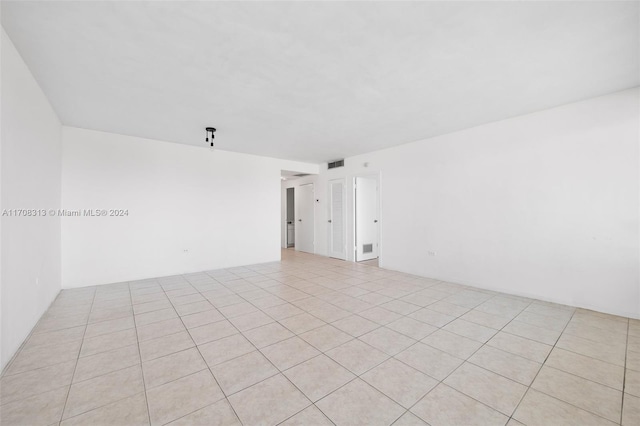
point(223, 207)
point(31, 157)
point(543, 205)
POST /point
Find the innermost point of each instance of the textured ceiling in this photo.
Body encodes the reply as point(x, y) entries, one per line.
point(318, 81)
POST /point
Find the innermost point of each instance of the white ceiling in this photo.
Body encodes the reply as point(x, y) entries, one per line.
point(318, 81)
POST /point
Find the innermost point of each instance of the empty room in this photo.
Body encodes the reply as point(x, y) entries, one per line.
point(317, 213)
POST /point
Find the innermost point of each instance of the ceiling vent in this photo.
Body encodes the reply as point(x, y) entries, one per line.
point(334, 164)
point(302, 174)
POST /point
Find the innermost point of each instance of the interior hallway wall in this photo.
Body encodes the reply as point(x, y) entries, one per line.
point(544, 205)
point(30, 179)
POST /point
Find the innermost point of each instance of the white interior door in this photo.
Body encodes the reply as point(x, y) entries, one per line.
point(304, 218)
point(366, 212)
point(337, 219)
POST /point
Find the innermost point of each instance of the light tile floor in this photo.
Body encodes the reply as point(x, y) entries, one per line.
point(313, 341)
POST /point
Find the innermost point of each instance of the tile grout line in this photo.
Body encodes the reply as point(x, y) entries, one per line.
point(540, 369)
point(624, 374)
point(64, 407)
point(226, 398)
point(144, 383)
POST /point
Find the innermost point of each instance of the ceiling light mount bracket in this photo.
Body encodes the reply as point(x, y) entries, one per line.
point(210, 131)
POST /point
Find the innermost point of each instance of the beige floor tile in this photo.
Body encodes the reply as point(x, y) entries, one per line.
point(596, 334)
point(532, 332)
point(155, 316)
point(538, 409)
point(210, 332)
point(388, 341)
point(431, 361)
point(131, 411)
point(329, 313)
point(448, 308)
point(630, 410)
point(359, 400)
point(66, 335)
point(243, 371)
point(43, 356)
point(514, 367)
point(325, 337)
point(400, 307)
point(193, 308)
point(106, 362)
point(268, 402)
point(517, 345)
point(110, 326)
point(452, 344)
point(289, 352)
point(433, 318)
point(237, 309)
point(633, 360)
point(166, 345)
point(171, 367)
point(444, 406)
point(42, 409)
point(186, 298)
point(409, 419)
point(380, 315)
point(283, 311)
point(585, 394)
point(102, 390)
point(202, 318)
point(309, 416)
point(404, 384)
point(356, 356)
point(30, 383)
point(224, 349)
point(183, 396)
point(105, 314)
point(632, 383)
point(267, 335)
point(355, 325)
point(543, 321)
point(613, 354)
point(107, 342)
point(489, 388)
point(252, 320)
point(217, 414)
point(603, 321)
point(374, 298)
point(586, 367)
point(160, 329)
point(302, 323)
point(470, 330)
point(488, 320)
point(318, 376)
point(412, 328)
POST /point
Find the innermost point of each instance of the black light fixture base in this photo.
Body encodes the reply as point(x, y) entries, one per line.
point(212, 131)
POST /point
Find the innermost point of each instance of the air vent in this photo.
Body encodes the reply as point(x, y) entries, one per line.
point(339, 163)
point(367, 248)
point(302, 174)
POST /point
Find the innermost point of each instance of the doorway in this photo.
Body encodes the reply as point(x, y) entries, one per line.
point(291, 218)
point(366, 210)
point(337, 219)
point(304, 218)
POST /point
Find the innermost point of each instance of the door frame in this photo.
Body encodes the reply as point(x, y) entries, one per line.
point(313, 221)
point(330, 252)
point(378, 177)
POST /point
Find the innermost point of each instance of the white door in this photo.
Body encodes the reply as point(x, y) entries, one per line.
point(304, 218)
point(337, 219)
point(366, 209)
